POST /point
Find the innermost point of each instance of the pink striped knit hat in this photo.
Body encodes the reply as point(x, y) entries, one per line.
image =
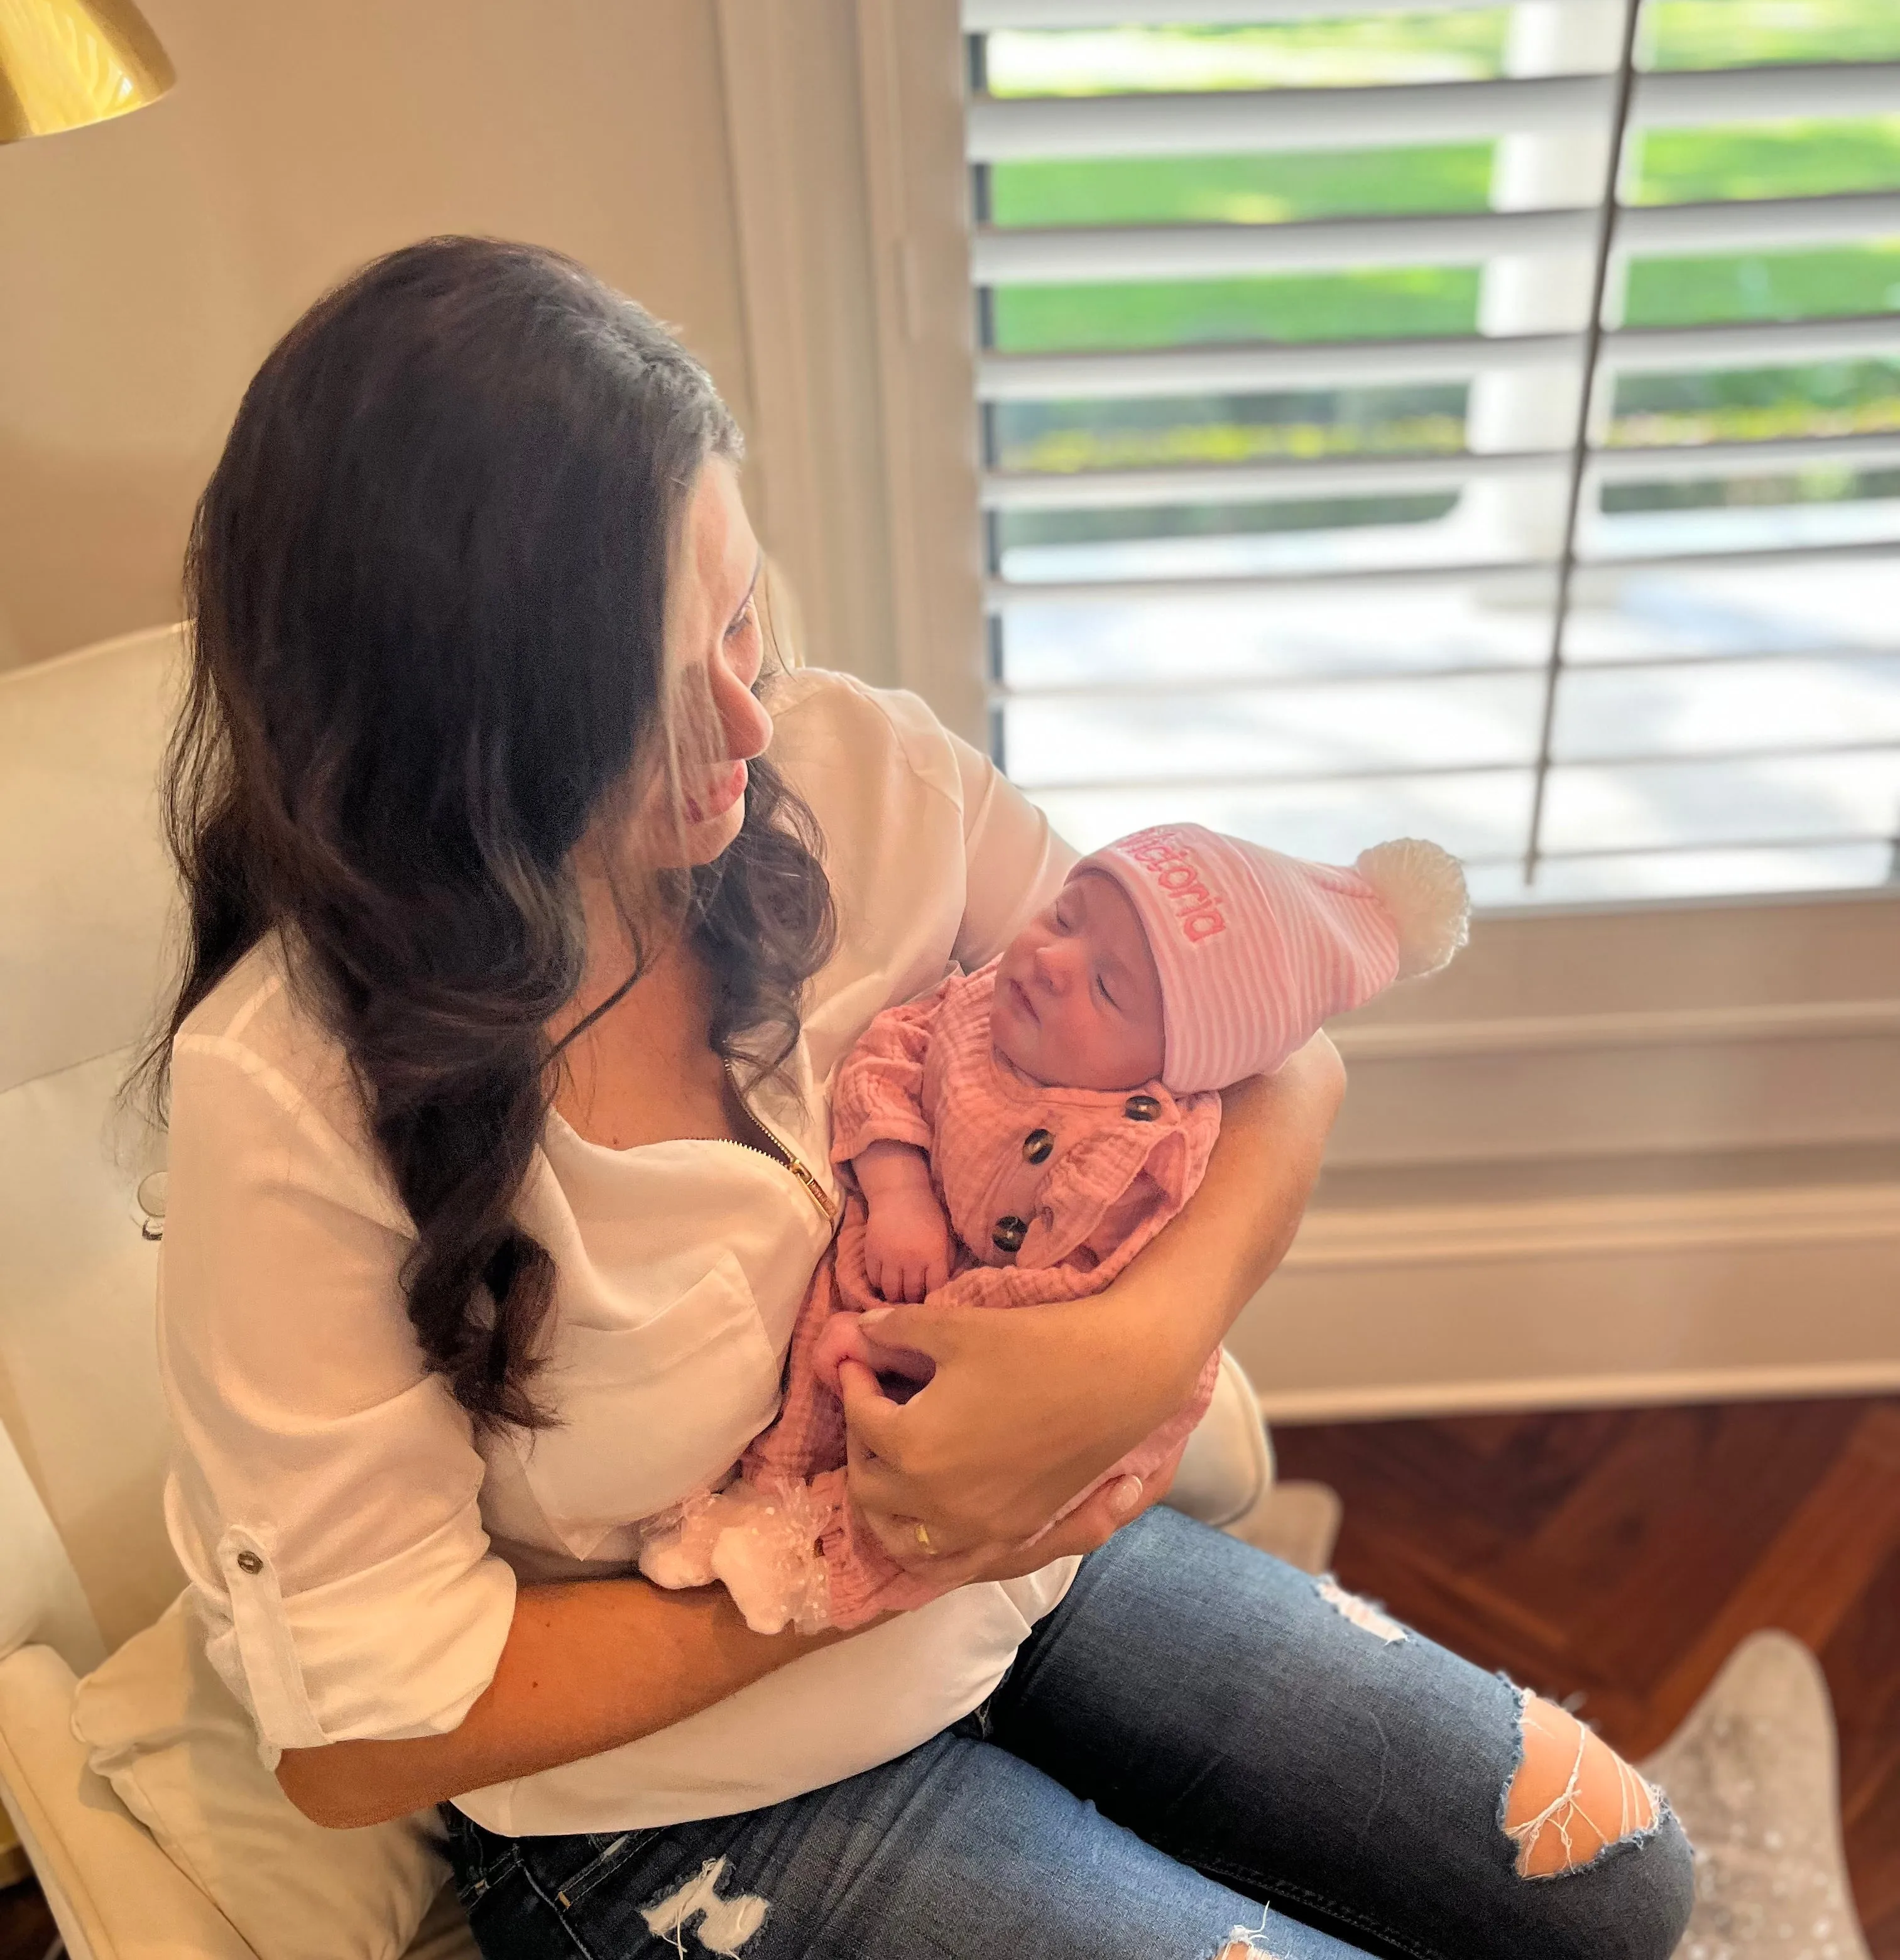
point(1256, 952)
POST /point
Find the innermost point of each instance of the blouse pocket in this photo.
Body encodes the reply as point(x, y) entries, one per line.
point(646, 1415)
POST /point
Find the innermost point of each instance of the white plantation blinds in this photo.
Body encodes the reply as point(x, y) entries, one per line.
point(1472, 421)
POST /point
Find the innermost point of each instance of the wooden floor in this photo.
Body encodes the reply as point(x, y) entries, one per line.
point(27, 1930)
point(1622, 1554)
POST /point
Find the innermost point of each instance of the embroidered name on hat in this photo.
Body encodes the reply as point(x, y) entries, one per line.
point(1172, 866)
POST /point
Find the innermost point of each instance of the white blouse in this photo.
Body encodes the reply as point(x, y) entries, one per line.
point(353, 1547)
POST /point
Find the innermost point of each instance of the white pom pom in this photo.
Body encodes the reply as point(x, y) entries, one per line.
point(1423, 887)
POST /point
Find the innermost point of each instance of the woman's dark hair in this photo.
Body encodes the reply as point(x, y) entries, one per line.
point(428, 581)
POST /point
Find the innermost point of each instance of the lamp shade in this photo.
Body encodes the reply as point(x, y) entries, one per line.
point(65, 63)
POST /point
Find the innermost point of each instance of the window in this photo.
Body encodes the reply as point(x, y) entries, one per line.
point(1480, 422)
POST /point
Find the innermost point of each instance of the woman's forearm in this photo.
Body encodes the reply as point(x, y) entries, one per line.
point(585, 1667)
point(1136, 1347)
point(1196, 1277)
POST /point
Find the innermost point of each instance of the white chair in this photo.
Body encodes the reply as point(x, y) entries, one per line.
point(85, 894)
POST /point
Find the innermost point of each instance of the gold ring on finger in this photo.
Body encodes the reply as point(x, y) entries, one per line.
point(923, 1537)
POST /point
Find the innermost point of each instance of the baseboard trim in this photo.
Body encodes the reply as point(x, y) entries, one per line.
point(1595, 1301)
point(1667, 1027)
point(1597, 1225)
point(1394, 1402)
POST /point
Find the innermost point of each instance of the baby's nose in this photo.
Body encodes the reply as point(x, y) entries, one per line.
point(1052, 966)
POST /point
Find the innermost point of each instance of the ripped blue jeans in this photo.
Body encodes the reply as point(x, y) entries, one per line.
point(1200, 1753)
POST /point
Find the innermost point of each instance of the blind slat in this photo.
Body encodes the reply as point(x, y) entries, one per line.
point(1481, 576)
point(1127, 253)
point(1689, 98)
point(1747, 224)
point(1634, 759)
point(1685, 462)
point(1750, 343)
point(1150, 373)
point(1487, 576)
point(1388, 475)
point(1117, 253)
point(983, 16)
point(1004, 129)
point(1197, 370)
point(1252, 482)
point(1171, 687)
point(1008, 128)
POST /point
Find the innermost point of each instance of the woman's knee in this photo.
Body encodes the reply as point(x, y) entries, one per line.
point(1572, 1796)
point(1574, 1810)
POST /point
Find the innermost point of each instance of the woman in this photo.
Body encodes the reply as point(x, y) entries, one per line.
point(530, 914)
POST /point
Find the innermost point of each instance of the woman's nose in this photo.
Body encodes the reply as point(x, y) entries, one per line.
point(746, 726)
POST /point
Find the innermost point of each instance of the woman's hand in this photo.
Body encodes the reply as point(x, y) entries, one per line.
point(1091, 1524)
point(1025, 1408)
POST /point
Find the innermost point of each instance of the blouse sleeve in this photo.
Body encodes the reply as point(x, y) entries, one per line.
point(1015, 862)
point(934, 858)
point(325, 1502)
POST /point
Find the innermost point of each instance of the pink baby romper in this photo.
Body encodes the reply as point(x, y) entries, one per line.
point(1050, 1192)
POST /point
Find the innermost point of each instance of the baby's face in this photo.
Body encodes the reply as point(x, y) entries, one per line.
point(1078, 1000)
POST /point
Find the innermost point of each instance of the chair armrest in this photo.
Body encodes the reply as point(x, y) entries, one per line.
point(1227, 1467)
point(114, 1894)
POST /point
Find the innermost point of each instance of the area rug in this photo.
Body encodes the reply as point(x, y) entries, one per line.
point(1751, 1773)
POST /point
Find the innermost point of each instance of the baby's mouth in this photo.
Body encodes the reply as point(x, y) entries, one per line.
point(1019, 994)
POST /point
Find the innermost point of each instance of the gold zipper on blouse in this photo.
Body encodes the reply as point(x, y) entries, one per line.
point(780, 1153)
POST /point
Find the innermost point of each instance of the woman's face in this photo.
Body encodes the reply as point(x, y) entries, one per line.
point(715, 647)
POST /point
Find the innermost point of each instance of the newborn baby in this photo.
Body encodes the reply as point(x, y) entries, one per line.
point(1017, 1136)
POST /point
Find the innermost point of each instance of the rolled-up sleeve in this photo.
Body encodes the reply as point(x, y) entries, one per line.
point(325, 1498)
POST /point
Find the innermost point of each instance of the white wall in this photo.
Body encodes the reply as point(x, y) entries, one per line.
point(1608, 1157)
point(146, 266)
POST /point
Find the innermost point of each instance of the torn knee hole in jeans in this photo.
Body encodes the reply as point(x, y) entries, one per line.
point(1571, 1797)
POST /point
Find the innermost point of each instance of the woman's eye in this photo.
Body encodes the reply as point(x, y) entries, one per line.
point(748, 616)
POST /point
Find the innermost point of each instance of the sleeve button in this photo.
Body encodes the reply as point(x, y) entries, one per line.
point(248, 1561)
point(1010, 1232)
point(1036, 1147)
point(1141, 1109)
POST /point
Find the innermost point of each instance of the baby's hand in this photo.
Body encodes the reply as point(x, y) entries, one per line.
point(907, 1244)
